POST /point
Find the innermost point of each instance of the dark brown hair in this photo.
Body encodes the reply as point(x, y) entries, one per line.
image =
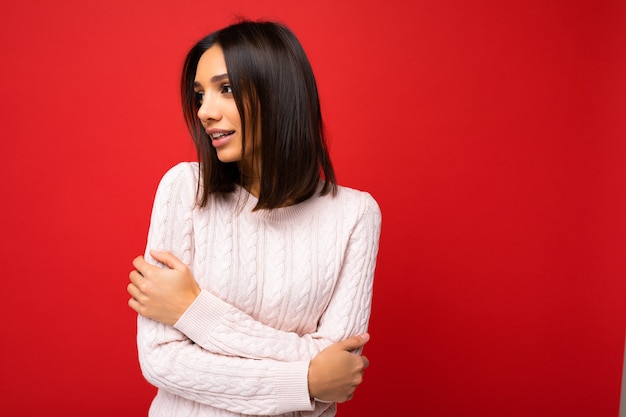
point(270, 75)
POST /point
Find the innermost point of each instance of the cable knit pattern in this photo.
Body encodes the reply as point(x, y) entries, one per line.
point(278, 286)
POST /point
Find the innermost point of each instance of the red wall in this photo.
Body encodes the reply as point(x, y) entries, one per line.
point(492, 133)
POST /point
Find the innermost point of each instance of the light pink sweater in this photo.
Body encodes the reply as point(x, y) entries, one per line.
point(278, 286)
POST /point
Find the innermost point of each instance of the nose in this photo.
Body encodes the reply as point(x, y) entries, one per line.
point(208, 109)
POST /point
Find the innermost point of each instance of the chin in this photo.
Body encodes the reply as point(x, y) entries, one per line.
point(227, 157)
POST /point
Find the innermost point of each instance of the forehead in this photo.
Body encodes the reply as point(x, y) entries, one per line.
point(211, 63)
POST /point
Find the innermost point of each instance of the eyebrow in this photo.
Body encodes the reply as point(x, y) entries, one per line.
point(214, 79)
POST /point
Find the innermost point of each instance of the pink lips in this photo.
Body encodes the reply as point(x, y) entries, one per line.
point(223, 136)
point(221, 141)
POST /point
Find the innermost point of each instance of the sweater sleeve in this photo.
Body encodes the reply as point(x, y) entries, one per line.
point(221, 328)
point(349, 309)
point(173, 362)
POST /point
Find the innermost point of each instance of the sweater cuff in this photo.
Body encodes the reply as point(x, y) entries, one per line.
point(202, 317)
point(292, 387)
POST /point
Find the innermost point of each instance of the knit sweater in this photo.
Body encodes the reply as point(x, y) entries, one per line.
point(277, 287)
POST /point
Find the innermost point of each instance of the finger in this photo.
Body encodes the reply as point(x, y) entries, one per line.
point(141, 265)
point(355, 342)
point(366, 362)
point(134, 304)
point(134, 291)
point(135, 276)
point(168, 259)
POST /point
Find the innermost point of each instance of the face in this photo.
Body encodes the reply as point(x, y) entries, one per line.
point(218, 112)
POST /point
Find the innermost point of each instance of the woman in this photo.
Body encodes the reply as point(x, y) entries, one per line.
point(254, 294)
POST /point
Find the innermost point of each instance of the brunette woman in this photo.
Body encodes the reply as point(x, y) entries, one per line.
point(254, 293)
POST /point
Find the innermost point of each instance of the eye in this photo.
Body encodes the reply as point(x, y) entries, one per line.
point(198, 96)
point(226, 89)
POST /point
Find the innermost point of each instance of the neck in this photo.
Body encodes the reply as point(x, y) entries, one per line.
point(253, 188)
point(251, 178)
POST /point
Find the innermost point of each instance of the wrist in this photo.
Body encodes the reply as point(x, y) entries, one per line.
point(313, 380)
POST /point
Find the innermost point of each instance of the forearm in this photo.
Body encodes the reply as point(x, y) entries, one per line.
point(223, 329)
point(259, 387)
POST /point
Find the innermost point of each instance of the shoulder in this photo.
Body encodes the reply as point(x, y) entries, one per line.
point(354, 207)
point(183, 172)
point(180, 182)
point(362, 200)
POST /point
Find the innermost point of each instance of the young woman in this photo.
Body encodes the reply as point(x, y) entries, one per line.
point(255, 290)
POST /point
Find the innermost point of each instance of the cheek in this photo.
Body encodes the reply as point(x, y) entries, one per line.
point(233, 114)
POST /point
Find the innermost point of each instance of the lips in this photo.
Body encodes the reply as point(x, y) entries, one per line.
point(219, 135)
point(215, 134)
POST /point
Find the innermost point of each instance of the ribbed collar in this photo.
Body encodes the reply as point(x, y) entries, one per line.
point(286, 215)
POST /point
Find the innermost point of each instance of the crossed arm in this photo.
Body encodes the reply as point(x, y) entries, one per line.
point(164, 294)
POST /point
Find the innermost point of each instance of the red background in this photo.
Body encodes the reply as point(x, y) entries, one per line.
point(492, 133)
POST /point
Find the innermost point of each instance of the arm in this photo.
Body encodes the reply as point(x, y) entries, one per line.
point(222, 328)
point(172, 362)
point(333, 374)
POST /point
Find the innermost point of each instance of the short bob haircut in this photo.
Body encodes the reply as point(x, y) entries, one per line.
point(274, 88)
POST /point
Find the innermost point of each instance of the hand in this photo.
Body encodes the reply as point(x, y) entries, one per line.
point(161, 294)
point(335, 372)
